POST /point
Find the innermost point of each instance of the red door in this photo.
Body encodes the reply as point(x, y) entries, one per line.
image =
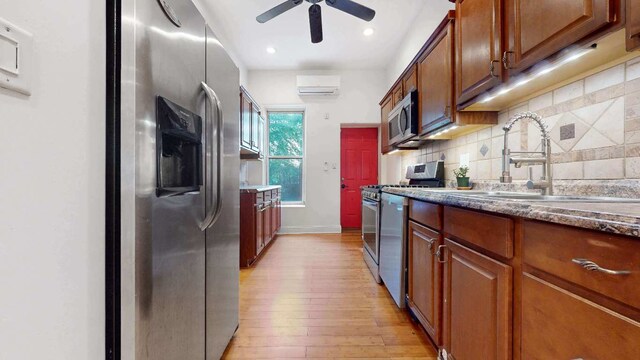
point(358, 167)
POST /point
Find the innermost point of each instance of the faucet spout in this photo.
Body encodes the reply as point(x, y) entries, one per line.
point(545, 159)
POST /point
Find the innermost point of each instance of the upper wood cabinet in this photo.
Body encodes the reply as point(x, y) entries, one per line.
point(436, 79)
point(477, 305)
point(385, 108)
point(633, 25)
point(251, 127)
point(397, 94)
point(246, 118)
point(539, 29)
point(410, 80)
point(478, 47)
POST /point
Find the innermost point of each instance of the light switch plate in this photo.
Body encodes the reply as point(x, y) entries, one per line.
point(16, 56)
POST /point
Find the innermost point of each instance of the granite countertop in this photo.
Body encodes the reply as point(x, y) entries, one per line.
point(617, 218)
point(258, 188)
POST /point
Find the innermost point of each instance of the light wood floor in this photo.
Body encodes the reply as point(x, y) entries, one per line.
point(312, 296)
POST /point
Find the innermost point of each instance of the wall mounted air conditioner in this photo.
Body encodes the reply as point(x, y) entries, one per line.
point(318, 85)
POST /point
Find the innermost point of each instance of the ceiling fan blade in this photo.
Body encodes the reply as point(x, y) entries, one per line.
point(315, 21)
point(353, 8)
point(278, 10)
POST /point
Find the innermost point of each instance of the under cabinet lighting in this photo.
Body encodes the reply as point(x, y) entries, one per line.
point(443, 131)
point(395, 151)
point(545, 70)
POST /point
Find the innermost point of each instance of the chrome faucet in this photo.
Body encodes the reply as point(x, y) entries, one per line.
point(542, 157)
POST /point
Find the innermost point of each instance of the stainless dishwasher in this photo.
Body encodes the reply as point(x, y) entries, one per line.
point(393, 220)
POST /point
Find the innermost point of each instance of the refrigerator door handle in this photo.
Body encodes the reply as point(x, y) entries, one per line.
point(214, 213)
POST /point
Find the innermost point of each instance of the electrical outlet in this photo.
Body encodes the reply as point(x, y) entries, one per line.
point(464, 160)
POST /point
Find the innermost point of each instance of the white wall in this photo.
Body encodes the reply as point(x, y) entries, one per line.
point(357, 104)
point(423, 25)
point(51, 187)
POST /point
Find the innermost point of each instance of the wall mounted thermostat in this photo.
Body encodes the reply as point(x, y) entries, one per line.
point(16, 50)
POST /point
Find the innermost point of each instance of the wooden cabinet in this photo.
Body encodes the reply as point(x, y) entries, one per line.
point(539, 29)
point(385, 108)
point(477, 293)
point(436, 80)
point(490, 232)
point(560, 251)
point(255, 128)
point(251, 127)
point(478, 47)
point(259, 229)
point(633, 25)
point(397, 94)
point(425, 285)
point(557, 324)
point(260, 216)
point(246, 116)
point(410, 80)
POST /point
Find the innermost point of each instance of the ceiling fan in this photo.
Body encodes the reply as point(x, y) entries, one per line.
point(315, 13)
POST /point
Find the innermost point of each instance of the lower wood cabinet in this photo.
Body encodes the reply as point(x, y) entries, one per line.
point(557, 324)
point(492, 287)
point(477, 293)
point(260, 218)
point(425, 274)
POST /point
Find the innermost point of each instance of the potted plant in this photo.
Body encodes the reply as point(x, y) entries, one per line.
point(461, 176)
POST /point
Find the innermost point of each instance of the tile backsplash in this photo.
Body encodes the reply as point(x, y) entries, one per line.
point(594, 126)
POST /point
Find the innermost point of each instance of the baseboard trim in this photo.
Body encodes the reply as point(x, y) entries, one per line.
point(310, 230)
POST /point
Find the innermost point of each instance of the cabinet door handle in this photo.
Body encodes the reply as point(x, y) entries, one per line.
point(492, 68)
point(439, 254)
point(591, 266)
point(505, 60)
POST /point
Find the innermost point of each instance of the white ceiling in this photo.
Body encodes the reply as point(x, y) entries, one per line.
point(344, 45)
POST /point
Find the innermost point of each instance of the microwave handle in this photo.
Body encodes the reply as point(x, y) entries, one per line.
point(213, 213)
point(406, 121)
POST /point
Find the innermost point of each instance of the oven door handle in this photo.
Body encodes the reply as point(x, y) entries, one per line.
point(213, 213)
point(370, 204)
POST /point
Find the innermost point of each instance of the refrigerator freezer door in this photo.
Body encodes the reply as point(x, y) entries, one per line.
point(167, 247)
point(393, 246)
point(223, 237)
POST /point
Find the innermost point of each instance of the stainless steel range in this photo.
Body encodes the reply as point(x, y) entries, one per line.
point(420, 175)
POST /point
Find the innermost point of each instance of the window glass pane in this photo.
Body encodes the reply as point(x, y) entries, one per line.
point(288, 174)
point(285, 133)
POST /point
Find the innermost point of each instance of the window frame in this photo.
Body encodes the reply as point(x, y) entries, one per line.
point(268, 156)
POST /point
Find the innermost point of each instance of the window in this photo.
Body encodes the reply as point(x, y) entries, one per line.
point(286, 153)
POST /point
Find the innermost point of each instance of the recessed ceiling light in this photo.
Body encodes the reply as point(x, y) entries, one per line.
point(271, 50)
point(368, 32)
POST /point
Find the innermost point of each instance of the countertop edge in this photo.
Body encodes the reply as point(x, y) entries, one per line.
point(258, 188)
point(605, 221)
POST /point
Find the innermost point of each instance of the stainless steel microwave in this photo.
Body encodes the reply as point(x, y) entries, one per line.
point(404, 121)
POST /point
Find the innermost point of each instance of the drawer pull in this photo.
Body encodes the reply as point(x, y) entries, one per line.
point(591, 266)
point(439, 254)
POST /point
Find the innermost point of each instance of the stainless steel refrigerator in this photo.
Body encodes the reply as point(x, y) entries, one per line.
point(179, 108)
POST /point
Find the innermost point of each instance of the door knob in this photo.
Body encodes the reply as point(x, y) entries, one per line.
point(343, 186)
